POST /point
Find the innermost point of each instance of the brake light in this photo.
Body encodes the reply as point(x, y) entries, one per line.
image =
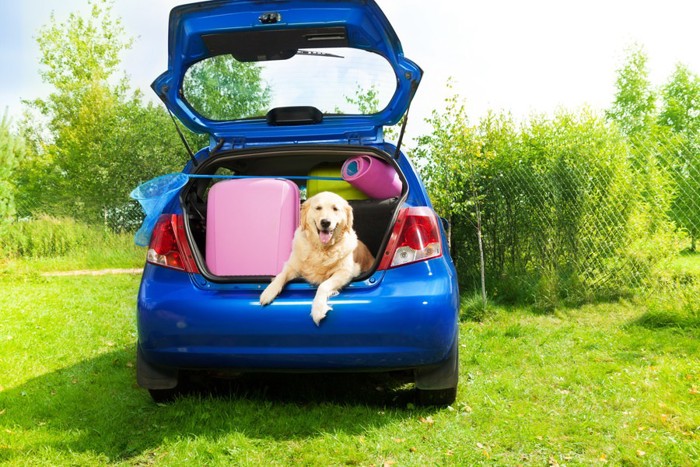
point(169, 246)
point(415, 237)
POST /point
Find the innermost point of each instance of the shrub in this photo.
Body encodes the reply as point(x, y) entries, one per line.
point(50, 237)
point(563, 210)
point(10, 150)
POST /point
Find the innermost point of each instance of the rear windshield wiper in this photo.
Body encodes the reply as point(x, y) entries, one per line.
point(314, 53)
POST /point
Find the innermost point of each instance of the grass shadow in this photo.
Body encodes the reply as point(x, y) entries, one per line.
point(666, 320)
point(95, 408)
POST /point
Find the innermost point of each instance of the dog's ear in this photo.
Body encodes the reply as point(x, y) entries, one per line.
point(302, 216)
point(349, 218)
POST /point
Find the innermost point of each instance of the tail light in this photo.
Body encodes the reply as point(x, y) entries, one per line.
point(169, 246)
point(415, 237)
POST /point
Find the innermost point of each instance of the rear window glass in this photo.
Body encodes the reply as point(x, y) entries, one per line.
point(334, 80)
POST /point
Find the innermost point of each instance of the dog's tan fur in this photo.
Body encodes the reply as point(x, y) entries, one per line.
point(331, 264)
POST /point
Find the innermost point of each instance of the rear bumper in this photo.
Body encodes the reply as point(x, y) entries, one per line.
point(400, 318)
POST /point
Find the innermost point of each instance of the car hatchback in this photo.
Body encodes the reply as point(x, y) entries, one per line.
point(293, 95)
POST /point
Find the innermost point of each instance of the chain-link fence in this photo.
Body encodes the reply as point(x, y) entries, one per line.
point(576, 232)
point(563, 210)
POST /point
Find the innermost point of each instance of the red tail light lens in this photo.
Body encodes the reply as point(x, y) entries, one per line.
point(416, 237)
point(169, 246)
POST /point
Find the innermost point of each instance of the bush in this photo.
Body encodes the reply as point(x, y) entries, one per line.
point(564, 212)
point(10, 150)
point(44, 237)
point(50, 237)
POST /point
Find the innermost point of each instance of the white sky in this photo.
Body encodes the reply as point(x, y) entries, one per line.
point(520, 56)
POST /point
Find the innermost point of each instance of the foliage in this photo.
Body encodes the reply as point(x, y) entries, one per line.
point(222, 88)
point(574, 207)
point(92, 140)
point(51, 237)
point(634, 107)
point(663, 139)
point(681, 102)
point(11, 150)
point(560, 213)
point(367, 102)
point(680, 114)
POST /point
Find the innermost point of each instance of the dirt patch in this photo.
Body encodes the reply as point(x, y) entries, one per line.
point(93, 272)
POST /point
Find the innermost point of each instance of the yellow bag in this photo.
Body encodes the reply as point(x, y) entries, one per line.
point(339, 187)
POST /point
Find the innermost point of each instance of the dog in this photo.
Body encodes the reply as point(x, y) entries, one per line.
point(325, 252)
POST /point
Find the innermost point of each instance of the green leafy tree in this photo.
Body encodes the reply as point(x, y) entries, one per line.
point(222, 88)
point(634, 107)
point(635, 112)
point(550, 209)
point(680, 113)
point(680, 106)
point(92, 140)
point(11, 149)
point(455, 160)
point(367, 102)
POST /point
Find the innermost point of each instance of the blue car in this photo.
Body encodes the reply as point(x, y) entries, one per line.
point(295, 91)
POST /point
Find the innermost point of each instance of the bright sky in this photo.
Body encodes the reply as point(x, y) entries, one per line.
point(520, 56)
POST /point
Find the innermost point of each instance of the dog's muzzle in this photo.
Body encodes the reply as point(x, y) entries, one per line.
point(325, 233)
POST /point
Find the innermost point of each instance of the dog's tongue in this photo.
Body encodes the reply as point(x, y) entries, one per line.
point(324, 236)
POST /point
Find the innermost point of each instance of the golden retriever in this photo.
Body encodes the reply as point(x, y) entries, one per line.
point(325, 252)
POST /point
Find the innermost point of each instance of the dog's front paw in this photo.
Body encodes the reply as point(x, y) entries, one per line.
point(319, 310)
point(268, 295)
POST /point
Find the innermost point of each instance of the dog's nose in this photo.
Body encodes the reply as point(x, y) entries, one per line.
point(325, 223)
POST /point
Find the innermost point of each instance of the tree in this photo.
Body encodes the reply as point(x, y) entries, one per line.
point(92, 140)
point(545, 212)
point(11, 149)
point(680, 114)
point(367, 102)
point(635, 112)
point(454, 161)
point(222, 88)
point(680, 106)
point(79, 59)
point(634, 106)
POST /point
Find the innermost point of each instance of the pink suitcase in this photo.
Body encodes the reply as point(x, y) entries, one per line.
point(250, 226)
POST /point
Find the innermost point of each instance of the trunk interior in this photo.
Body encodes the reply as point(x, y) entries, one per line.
point(373, 217)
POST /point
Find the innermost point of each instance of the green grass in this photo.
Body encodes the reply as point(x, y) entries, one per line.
point(584, 386)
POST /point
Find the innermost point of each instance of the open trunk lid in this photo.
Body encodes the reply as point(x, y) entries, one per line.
point(307, 44)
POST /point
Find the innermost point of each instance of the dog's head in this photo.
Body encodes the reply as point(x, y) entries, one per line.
point(326, 217)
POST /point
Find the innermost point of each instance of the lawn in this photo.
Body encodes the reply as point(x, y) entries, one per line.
point(599, 384)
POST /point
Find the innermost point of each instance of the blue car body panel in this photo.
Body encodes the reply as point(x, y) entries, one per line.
point(400, 318)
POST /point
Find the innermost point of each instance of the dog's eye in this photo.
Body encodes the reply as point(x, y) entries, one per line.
point(335, 208)
point(318, 208)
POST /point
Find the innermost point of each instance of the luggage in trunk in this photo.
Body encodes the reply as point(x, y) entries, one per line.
point(250, 226)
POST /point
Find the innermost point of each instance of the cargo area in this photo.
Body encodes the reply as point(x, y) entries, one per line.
point(245, 220)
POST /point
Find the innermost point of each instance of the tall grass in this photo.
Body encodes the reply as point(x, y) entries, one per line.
point(60, 243)
point(673, 297)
